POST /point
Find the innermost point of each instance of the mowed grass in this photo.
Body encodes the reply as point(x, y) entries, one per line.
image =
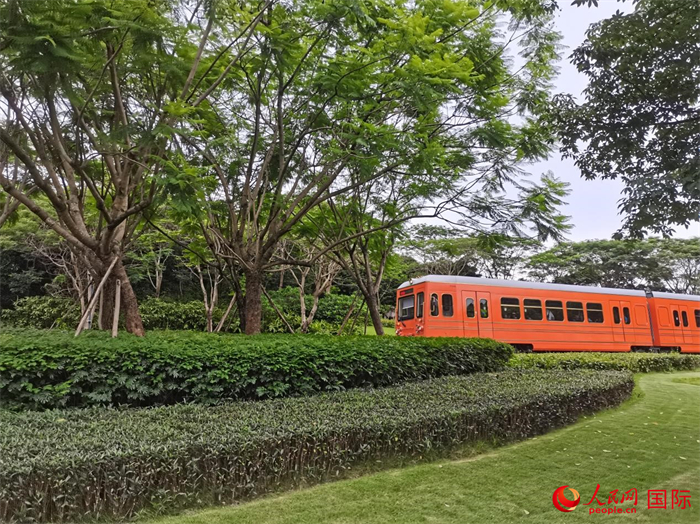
point(652, 442)
point(387, 330)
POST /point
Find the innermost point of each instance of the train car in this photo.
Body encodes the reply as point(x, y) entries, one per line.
point(534, 316)
point(676, 321)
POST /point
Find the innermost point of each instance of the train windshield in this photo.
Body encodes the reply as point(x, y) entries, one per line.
point(407, 307)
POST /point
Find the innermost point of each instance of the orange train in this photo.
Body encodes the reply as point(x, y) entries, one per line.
point(534, 316)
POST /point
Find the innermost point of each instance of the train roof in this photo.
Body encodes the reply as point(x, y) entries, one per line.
point(451, 279)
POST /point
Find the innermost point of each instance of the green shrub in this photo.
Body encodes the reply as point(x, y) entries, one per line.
point(73, 464)
point(46, 312)
point(42, 312)
point(331, 311)
point(162, 314)
point(388, 323)
point(54, 369)
point(333, 308)
point(635, 362)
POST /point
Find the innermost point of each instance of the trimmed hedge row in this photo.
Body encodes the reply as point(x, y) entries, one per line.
point(635, 362)
point(106, 463)
point(41, 370)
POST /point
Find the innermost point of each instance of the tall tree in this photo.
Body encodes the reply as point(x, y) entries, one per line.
point(336, 96)
point(640, 118)
point(92, 90)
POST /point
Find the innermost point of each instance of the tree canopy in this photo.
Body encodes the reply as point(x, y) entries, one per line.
point(659, 264)
point(640, 118)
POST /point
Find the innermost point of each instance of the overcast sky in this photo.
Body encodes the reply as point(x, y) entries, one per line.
point(592, 204)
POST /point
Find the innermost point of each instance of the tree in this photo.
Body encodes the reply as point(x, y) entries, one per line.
point(607, 263)
point(92, 91)
point(500, 256)
point(447, 251)
point(356, 233)
point(659, 264)
point(640, 119)
point(439, 250)
point(334, 96)
point(17, 177)
point(319, 272)
point(681, 258)
point(149, 256)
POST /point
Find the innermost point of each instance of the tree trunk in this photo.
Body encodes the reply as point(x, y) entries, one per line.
point(210, 320)
point(129, 303)
point(306, 322)
point(376, 316)
point(159, 282)
point(253, 302)
point(240, 305)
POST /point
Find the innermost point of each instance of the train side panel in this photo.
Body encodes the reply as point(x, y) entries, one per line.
point(543, 320)
point(550, 319)
point(676, 324)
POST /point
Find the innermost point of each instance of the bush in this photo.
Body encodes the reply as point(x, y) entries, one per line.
point(54, 369)
point(162, 314)
point(68, 465)
point(331, 311)
point(42, 312)
point(47, 312)
point(635, 362)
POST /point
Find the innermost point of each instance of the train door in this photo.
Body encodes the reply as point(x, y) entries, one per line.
point(677, 324)
point(618, 327)
point(470, 317)
point(485, 313)
point(686, 324)
point(627, 321)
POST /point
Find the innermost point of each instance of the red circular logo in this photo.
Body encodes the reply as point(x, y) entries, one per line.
point(562, 503)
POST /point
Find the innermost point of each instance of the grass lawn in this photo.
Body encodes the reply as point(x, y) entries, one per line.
point(652, 442)
point(387, 330)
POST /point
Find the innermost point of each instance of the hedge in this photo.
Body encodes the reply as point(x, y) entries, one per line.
point(66, 465)
point(635, 362)
point(41, 370)
point(42, 312)
point(45, 312)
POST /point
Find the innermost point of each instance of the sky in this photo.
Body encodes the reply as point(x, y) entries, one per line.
point(592, 204)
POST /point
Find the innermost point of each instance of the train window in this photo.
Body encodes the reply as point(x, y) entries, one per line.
point(685, 318)
point(420, 299)
point(484, 308)
point(616, 315)
point(447, 306)
point(697, 318)
point(555, 310)
point(510, 308)
point(533, 309)
point(595, 312)
point(676, 318)
point(626, 314)
point(434, 306)
point(406, 307)
point(471, 310)
point(574, 311)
